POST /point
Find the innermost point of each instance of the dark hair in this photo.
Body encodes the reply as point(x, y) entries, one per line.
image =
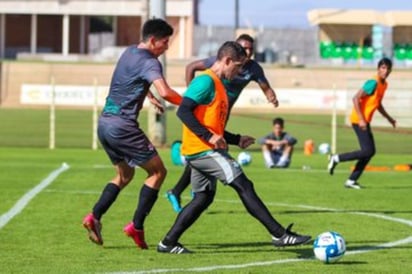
point(278, 121)
point(245, 37)
point(231, 49)
point(158, 28)
point(385, 61)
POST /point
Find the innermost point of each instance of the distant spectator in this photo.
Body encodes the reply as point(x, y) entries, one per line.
point(277, 146)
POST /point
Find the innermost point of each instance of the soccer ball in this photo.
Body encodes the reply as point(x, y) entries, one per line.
point(329, 247)
point(324, 148)
point(244, 158)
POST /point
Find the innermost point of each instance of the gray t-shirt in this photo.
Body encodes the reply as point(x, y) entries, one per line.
point(134, 73)
point(284, 136)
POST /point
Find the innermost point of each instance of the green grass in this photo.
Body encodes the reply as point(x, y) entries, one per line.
point(47, 236)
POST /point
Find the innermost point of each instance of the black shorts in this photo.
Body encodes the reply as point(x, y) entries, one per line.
point(123, 140)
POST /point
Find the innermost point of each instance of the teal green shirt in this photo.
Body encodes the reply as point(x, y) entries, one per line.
point(370, 86)
point(201, 89)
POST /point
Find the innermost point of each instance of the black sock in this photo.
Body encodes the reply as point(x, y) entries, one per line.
point(147, 198)
point(106, 199)
point(255, 206)
point(183, 182)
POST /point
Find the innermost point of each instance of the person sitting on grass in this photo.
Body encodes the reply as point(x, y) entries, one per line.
point(277, 146)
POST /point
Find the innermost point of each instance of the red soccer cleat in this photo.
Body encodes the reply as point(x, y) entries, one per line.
point(136, 234)
point(94, 228)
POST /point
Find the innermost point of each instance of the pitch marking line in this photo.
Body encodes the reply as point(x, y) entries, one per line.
point(26, 198)
point(267, 263)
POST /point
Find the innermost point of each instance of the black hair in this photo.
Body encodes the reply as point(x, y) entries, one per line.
point(231, 49)
point(245, 37)
point(278, 121)
point(385, 61)
point(156, 27)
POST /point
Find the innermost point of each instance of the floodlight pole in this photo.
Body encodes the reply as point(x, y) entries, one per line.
point(157, 122)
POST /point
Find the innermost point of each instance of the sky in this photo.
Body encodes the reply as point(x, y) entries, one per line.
point(282, 13)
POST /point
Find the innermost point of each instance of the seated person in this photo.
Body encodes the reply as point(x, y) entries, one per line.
point(277, 146)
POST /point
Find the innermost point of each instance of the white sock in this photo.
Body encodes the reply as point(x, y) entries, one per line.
point(283, 161)
point(350, 182)
point(335, 158)
point(268, 158)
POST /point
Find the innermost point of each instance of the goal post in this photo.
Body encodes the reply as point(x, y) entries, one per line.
point(334, 121)
point(52, 114)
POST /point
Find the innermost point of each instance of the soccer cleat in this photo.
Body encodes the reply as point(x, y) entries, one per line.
point(332, 164)
point(174, 200)
point(136, 234)
point(352, 184)
point(290, 238)
point(175, 249)
point(94, 228)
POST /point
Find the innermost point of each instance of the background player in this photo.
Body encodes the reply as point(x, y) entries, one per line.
point(120, 135)
point(251, 71)
point(365, 102)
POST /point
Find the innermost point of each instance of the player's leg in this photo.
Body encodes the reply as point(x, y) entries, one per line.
point(267, 156)
point(124, 174)
point(189, 214)
point(156, 173)
point(205, 188)
point(367, 149)
point(174, 194)
point(254, 205)
point(284, 160)
point(367, 143)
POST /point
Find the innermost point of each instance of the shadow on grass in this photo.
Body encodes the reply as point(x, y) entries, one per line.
point(304, 251)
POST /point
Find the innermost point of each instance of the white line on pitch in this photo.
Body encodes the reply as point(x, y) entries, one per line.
point(26, 198)
point(407, 240)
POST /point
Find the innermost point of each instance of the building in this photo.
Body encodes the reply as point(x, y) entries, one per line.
point(64, 26)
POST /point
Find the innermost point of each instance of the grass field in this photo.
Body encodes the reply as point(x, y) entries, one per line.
point(47, 236)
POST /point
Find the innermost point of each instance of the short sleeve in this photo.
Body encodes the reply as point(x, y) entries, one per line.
point(201, 90)
point(208, 62)
point(258, 74)
point(154, 70)
point(370, 86)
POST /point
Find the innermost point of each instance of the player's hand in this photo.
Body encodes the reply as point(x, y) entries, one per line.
point(362, 125)
point(245, 141)
point(393, 122)
point(157, 104)
point(218, 141)
point(275, 102)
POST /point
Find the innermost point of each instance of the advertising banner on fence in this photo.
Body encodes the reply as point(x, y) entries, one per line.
point(310, 99)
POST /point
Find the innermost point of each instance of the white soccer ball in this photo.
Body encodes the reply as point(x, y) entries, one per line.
point(329, 247)
point(244, 158)
point(324, 148)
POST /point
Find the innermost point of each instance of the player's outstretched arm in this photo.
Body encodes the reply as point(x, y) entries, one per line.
point(166, 92)
point(191, 69)
point(269, 93)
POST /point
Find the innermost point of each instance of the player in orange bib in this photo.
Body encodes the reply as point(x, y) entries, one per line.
point(204, 111)
point(365, 102)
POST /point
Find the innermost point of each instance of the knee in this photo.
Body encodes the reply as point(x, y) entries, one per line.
point(124, 180)
point(266, 147)
point(242, 184)
point(204, 198)
point(368, 152)
point(159, 175)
